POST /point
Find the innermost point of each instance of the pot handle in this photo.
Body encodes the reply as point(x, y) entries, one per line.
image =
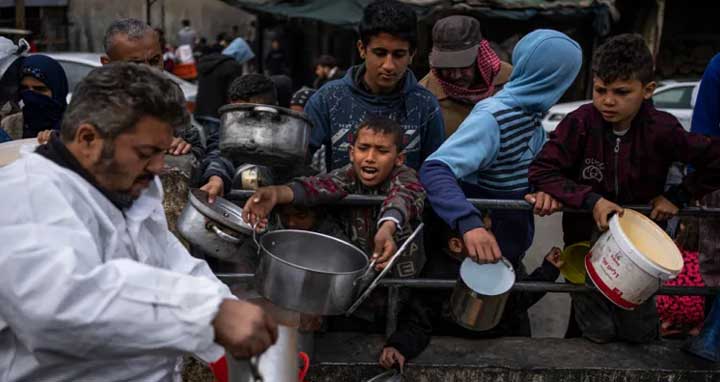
point(255, 235)
point(385, 270)
point(255, 369)
point(223, 235)
point(507, 263)
point(267, 110)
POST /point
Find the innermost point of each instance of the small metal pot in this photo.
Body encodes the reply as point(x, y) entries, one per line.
point(264, 135)
point(252, 177)
point(217, 229)
point(308, 272)
point(480, 307)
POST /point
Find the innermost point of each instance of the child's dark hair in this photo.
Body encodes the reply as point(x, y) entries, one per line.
point(391, 17)
point(255, 87)
point(624, 57)
point(326, 60)
point(384, 125)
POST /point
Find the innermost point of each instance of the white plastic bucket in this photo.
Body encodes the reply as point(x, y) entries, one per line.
point(630, 260)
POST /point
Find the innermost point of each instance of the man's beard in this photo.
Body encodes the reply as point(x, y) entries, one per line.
point(107, 166)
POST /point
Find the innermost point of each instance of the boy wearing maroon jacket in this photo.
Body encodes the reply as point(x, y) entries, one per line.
point(616, 151)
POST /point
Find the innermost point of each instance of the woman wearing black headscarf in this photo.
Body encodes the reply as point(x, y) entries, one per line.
point(43, 91)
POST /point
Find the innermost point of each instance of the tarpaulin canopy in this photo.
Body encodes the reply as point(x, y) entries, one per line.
point(35, 3)
point(349, 12)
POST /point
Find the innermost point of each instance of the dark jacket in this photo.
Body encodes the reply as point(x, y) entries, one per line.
point(215, 73)
point(584, 161)
point(706, 113)
point(337, 108)
point(336, 75)
point(428, 311)
point(276, 62)
point(212, 163)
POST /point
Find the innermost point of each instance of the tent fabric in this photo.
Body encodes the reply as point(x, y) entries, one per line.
point(35, 3)
point(349, 12)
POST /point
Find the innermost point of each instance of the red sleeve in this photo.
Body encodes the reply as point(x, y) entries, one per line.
point(555, 169)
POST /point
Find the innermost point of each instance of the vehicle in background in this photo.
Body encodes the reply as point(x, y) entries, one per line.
point(78, 65)
point(674, 97)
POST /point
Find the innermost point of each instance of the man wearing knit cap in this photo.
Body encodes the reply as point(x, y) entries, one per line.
point(464, 69)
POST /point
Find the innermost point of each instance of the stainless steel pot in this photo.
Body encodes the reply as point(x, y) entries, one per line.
point(252, 177)
point(217, 229)
point(264, 135)
point(480, 306)
point(308, 272)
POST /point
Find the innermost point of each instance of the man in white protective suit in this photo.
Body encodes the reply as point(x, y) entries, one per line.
point(93, 286)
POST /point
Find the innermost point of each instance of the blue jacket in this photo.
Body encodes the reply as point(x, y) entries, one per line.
point(493, 148)
point(341, 105)
point(706, 115)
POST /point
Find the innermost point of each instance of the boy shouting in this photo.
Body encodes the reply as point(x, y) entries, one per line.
point(616, 151)
point(376, 168)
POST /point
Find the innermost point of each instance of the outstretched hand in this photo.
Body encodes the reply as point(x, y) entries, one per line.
point(385, 245)
point(258, 207)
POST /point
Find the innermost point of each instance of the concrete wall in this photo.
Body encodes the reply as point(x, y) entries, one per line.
point(89, 18)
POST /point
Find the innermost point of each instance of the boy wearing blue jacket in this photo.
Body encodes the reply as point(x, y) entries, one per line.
point(489, 155)
point(381, 86)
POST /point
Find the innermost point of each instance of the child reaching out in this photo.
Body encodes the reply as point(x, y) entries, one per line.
point(428, 312)
point(376, 168)
point(617, 151)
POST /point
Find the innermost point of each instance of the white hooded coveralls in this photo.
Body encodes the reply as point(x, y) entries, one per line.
point(92, 293)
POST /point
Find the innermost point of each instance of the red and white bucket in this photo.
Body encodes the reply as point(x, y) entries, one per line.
point(630, 260)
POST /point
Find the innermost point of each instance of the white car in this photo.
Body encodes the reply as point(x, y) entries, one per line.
point(78, 65)
point(674, 97)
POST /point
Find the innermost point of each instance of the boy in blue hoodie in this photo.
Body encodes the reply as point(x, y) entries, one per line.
point(489, 155)
point(381, 86)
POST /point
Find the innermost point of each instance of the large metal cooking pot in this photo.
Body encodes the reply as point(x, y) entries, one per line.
point(264, 135)
point(308, 272)
point(217, 229)
point(479, 297)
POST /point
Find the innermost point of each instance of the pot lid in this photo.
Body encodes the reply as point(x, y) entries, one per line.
point(222, 211)
point(270, 111)
point(488, 279)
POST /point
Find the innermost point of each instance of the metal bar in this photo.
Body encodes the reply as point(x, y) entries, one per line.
point(490, 204)
point(393, 309)
point(521, 286)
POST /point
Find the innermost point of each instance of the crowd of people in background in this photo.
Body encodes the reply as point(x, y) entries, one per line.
point(469, 128)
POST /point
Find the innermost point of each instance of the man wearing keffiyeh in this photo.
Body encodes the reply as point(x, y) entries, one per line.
point(464, 69)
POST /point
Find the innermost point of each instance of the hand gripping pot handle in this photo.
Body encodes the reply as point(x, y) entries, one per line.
point(385, 270)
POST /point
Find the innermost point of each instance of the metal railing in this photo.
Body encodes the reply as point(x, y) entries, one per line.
point(394, 284)
point(488, 204)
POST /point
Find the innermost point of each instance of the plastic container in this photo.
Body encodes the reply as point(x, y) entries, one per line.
point(630, 260)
